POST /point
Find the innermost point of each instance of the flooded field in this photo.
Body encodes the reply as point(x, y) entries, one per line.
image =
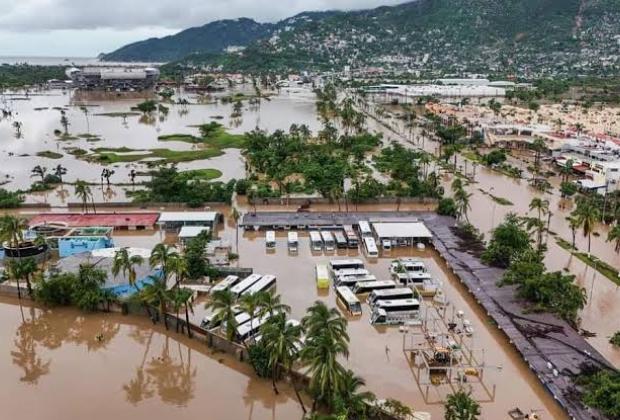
point(40, 116)
point(61, 364)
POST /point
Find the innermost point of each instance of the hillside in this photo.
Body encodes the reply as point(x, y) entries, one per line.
point(527, 37)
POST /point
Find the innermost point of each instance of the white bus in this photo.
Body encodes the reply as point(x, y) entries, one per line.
point(245, 284)
point(409, 271)
point(369, 286)
point(316, 242)
point(341, 241)
point(225, 284)
point(364, 228)
point(293, 242)
point(389, 294)
point(328, 240)
point(210, 321)
point(393, 312)
point(371, 247)
point(351, 281)
point(270, 239)
point(348, 272)
point(338, 265)
point(265, 283)
point(349, 233)
point(240, 319)
point(348, 299)
point(249, 329)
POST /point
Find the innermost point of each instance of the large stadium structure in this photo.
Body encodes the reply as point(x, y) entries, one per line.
point(113, 78)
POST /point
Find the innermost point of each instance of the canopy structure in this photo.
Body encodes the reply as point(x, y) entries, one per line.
point(405, 231)
point(176, 219)
point(189, 232)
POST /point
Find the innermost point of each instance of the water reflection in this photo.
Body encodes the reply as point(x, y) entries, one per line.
point(168, 374)
point(25, 355)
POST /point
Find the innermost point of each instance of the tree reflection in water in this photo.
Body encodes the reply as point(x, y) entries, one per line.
point(50, 329)
point(169, 376)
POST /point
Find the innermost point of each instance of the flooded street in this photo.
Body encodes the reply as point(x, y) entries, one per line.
point(56, 369)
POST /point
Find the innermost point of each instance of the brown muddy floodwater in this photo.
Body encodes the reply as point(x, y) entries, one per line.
point(602, 312)
point(53, 367)
point(40, 116)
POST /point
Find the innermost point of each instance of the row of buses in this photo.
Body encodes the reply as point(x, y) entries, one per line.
point(389, 304)
point(330, 240)
point(246, 325)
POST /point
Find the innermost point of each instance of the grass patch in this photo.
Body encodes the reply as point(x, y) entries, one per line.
point(49, 154)
point(111, 155)
point(220, 139)
point(118, 114)
point(76, 151)
point(202, 174)
point(601, 266)
point(499, 200)
point(66, 137)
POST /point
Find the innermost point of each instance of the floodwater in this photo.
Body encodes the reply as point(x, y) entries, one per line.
point(39, 114)
point(601, 314)
point(54, 367)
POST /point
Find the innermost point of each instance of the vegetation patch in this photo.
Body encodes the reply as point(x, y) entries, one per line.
point(599, 265)
point(118, 114)
point(499, 200)
point(10, 199)
point(212, 134)
point(49, 154)
point(115, 155)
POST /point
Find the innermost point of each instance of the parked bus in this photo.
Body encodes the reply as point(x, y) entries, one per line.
point(338, 265)
point(293, 242)
point(394, 312)
point(211, 321)
point(389, 294)
point(265, 283)
point(225, 284)
point(245, 284)
point(328, 240)
point(351, 281)
point(409, 271)
point(270, 239)
point(240, 319)
point(348, 272)
point(364, 228)
point(316, 241)
point(322, 276)
point(369, 286)
point(341, 241)
point(348, 299)
point(249, 329)
point(371, 247)
point(349, 233)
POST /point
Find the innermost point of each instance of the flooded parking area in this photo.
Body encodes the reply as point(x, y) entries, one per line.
point(377, 352)
point(62, 364)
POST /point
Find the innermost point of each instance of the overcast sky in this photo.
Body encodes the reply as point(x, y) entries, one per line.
point(85, 28)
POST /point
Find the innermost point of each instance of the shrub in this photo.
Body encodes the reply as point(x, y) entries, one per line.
point(10, 199)
point(241, 186)
point(447, 207)
point(259, 358)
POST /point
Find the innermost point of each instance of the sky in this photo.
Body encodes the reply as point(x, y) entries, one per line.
point(85, 28)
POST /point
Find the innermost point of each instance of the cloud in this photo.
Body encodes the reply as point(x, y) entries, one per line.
point(48, 15)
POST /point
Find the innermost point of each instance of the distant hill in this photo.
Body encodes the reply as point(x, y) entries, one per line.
point(213, 37)
point(537, 37)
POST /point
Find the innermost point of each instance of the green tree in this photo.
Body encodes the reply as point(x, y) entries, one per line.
point(164, 256)
point(126, 264)
point(461, 406)
point(182, 298)
point(269, 303)
point(508, 239)
point(614, 235)
point(22, 269)
point(83, 192)
point(587, 214)
point(357, 402)
point(223, 305)
point(156, 294)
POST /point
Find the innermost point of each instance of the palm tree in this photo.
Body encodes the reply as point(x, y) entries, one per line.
point(163, 255)
point(39, 171)
point(461, 406)
point(270, 304)
point(178, 267)
point(82, 190)
point(125, 263)
point(614, 235)
point(574, 223)
point(323, 320)
point(156, 294)
point(223, 305)
point(357, 403)
point(85, 111)
point(282, 343)
point(60, 171)
point(107, 174)
point(542, 207)
point(64, 121)
point(234, 213)
point(183, 298)
point(588, 215)
point(250, 302)
point(17, 125)
point(22, 269)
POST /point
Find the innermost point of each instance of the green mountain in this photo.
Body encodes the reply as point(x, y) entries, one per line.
point(526, 37)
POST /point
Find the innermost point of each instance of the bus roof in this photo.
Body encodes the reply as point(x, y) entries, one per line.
point(315, 236)
point(245, 283)
point(392, 292)
point(347, 294)
point(264, 283)
point(270, 235)
point(364, 226)
point(292, 237)
point(347, 262)
point(397, 302)
point(327, 236)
